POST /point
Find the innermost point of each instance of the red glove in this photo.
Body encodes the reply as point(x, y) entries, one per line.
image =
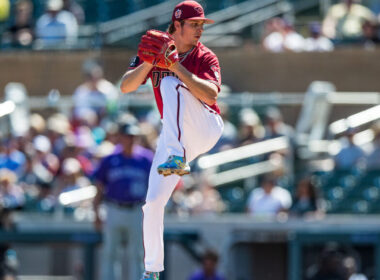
point(158, 48)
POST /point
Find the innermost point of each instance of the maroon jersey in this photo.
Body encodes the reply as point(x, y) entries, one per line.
point(200, 61)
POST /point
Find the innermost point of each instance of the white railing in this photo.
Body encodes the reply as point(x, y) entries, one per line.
point(240, 153)
point(243, 152)
point(78, 195)
point(242, 173)
point(260, 12)
point(138, 22)
point(243, 99)
point(355, 120)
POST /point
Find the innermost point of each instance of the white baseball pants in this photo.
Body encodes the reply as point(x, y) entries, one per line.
point(189, 129)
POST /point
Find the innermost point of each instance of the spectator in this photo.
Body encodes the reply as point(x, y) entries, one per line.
point(11, 158)
point(194, 195)
point(209, 268)
point(273, 36)
point(283, 37)
point(46, 164)
point(351, 269)
point(20, 34)
point(373, 159)
point(306, 201)
point(370, 35)
point(350, 155)
point(37, 125)
point(28, 178)
point(269, 199)
point(95, 93)
point(57, 127)
point(330, 265)
point(344, 21)
point(250, 128)
point(11, 194)
point(211, 201)
point(122, 181)
point(78, 146)
point(56, 28)
point(72, 176)
point(293, 41)
point(73, 7)
point(275, 126)
point(317, 42)
point(229, 136)
point(37, 192)
point(101, 151)
point(149, 135)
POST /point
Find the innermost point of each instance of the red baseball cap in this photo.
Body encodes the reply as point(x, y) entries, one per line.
point(189, 10)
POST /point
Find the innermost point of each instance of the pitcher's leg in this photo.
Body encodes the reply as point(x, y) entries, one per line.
point(172, 129)
point(172, 116)
point(159, 192)
point(202, 126)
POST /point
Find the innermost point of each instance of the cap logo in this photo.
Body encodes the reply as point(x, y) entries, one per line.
point(178, 13)
point(199, 9)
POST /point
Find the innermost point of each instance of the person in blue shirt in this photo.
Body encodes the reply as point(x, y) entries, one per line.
point(122, 181)
point(11, 158)
point(209, 265)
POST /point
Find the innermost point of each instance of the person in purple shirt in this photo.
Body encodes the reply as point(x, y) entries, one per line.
point(209, 265)
point(122, 181)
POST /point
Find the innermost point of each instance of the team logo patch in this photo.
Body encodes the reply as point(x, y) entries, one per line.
point(199, 10)
point(215, 69)
point(134, 62)
point(178, 13)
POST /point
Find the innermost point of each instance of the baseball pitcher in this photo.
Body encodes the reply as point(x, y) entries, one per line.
point(186, 80)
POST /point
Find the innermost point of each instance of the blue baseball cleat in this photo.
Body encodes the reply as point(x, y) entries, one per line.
point(174, 165)
point(151, 276)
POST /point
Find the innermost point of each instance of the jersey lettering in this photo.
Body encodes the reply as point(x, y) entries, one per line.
point(157, 76)
point(200, 61)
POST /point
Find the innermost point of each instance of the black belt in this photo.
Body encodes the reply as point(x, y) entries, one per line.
point(128, 205)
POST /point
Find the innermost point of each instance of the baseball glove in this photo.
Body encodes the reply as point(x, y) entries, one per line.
point(158, 48)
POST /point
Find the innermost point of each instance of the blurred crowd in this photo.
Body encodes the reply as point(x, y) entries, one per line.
point(346, 22)
point(59, 154)
point(56, 27)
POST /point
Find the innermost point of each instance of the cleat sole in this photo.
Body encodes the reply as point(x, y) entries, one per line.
point(169, 172)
